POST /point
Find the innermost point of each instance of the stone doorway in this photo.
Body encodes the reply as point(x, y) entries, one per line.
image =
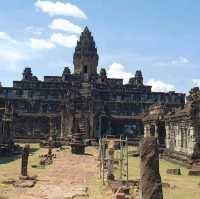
point(161, 134)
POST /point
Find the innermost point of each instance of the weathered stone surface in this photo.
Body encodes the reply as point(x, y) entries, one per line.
point(120, 196)
point(9, 181)
point(174, 171)
point(77, 143)
point(110, 175)
point(24, 163)
point(151, 185)
point(181, 129)
point(165, 185)
point(25, 183)
point(194, 172)
point(77, 191)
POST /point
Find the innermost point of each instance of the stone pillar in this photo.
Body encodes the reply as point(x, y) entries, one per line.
point(156, 130)
point(110, 175)
point(50, 144)
point(24, 163)
point(146, 130)
point(151, 185)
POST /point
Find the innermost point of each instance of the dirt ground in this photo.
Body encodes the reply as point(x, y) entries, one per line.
point(68, 172)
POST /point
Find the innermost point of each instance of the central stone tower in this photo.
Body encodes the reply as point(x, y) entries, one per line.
point(85, 56)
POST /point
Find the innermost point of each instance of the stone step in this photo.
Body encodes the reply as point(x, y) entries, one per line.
point(84, 126)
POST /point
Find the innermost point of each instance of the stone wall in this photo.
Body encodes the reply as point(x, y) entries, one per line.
point(181, 137)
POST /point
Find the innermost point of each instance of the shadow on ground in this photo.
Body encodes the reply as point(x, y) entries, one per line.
point(6, 158)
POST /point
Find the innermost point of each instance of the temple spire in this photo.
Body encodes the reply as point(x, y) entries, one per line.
point(85, 56)
point(86, 30)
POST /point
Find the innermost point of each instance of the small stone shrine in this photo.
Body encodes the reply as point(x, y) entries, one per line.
point(77, 142)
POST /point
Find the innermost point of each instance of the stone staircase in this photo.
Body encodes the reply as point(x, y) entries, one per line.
point(85, 89)
point(84, 126)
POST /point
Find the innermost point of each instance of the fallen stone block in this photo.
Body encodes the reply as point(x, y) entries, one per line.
point(194, 172)
point(25, 183)
point(80, 189)
point(128, 197)
point(165, 185)
point(9, 181)
point(174, 171)
point(73, 195)
point(123, 189)
point(120, 196)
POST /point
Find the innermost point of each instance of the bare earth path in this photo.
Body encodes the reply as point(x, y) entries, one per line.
point(68, 174)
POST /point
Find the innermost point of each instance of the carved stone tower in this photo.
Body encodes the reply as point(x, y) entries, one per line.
point(85, 57)
point(138, 78)
point(27, 74)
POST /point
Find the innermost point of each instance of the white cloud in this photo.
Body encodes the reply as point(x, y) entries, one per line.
point(117, 70)
point(65, 25)
point(60, 8)
point(180, 60)
point(40, 44)
point(176, 61)
point(7, 37)
point(10, 58)
point(196, 82)
point(68, 41)
point(34, 30)
point(159, 86)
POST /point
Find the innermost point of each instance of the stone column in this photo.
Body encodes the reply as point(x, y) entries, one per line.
point(156, 131)
point(151, 185)
point(110, 175)
point(61, 124)
point(24, 163)
point(50, 144)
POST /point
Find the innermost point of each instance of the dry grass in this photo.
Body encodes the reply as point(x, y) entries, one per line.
point(183, 187)
point(10, 166)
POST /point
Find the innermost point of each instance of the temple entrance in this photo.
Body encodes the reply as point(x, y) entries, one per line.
point(85, 69)
point(152, 130)
point(161, 134)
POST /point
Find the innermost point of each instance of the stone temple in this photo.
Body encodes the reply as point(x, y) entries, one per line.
point(102, 105)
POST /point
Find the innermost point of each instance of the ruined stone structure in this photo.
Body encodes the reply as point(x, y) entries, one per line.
point(102, 105)
point(6, 130)
point(177, 129)
point(154, 123)
point(183, 127)
point(77, 142)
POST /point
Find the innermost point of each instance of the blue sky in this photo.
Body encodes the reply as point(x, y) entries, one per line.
point(159, 37)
